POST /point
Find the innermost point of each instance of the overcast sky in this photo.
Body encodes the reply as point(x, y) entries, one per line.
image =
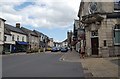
point(52, 17)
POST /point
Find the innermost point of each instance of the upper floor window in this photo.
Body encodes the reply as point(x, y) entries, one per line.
point(17, 38)
point(117, 5)
point(13, 37)
point(5, 38)
point(23, 38)
point(117, 34)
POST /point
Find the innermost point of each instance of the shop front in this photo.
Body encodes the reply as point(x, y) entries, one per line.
point(19, 47)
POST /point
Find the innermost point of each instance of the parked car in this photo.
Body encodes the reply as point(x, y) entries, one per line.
point(64, 49)
point(48, 48)
point(58, 48)
point(54, 49)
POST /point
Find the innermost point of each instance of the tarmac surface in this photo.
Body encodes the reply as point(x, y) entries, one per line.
point(39, 65)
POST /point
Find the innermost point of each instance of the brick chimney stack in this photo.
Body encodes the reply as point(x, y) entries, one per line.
point(18, 25)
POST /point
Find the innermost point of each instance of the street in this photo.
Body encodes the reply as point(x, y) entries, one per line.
point(40, 65)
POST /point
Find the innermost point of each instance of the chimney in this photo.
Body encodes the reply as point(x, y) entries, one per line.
point(18, 25)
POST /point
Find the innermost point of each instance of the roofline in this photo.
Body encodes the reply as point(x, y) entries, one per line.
point(15, 31)
point(3, 19)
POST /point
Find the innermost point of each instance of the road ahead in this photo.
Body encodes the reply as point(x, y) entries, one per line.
point(39, 65)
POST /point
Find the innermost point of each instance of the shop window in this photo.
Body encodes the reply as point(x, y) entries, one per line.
point(117, 34)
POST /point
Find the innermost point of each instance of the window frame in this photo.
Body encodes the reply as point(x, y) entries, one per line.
point(13, 37)
point(116, 30)
point(0, 36)
point(117, 5)
point(5, 38)
point(23, 38)
point(17, 37)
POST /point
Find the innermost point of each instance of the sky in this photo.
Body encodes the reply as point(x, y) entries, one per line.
point(51, 17)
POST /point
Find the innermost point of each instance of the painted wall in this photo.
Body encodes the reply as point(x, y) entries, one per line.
point(1, 31)
point(20, 36)
point(9, 39)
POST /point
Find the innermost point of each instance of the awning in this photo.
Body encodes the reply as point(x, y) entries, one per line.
point(22, 43)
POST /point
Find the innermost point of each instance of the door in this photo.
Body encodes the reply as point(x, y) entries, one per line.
point(94, 45)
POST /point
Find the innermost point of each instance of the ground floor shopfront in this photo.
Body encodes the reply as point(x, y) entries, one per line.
point(15, 48)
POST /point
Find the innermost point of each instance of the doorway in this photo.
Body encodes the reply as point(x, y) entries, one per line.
point(94, 45)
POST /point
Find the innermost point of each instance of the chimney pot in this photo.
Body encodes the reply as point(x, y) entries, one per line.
point(18, 25)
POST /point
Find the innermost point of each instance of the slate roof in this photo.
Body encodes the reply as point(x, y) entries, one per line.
point(38, 33)
point(14, 29)
point(6, 31)
point(27, 31)
point(65, 40)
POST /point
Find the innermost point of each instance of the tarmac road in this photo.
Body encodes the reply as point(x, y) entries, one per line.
point(39, 65)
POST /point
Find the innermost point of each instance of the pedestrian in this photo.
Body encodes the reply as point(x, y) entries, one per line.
point(79, 51)
point(82, 52)
point(71, 48)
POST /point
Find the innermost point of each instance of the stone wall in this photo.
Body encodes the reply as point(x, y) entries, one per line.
point(88, 41)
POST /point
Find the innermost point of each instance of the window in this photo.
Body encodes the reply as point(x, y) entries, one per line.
point(17, 38)
point(104, 42)
point(94, 33)
point(0, 36)
point(23, 38)
point(5, 38)
point(13, 37)
point(117, 34)
point(117, 5)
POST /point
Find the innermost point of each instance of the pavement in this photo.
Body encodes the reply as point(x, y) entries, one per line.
point(95, 67)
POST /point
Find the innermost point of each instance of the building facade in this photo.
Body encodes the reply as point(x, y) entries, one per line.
point(15, 39)
point(2, 23)
point(8, 41)
point(69, 38)
point(50, 43)
point(33, 40)
point(64, 43)
point(102, 27)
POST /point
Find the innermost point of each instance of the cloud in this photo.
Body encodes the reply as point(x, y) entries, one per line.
point(44, 13)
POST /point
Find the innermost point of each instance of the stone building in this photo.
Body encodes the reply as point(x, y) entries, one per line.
point(32, 39)
point(101, 21)
point(2, 23)
point(69, 38)
point(50, 43)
